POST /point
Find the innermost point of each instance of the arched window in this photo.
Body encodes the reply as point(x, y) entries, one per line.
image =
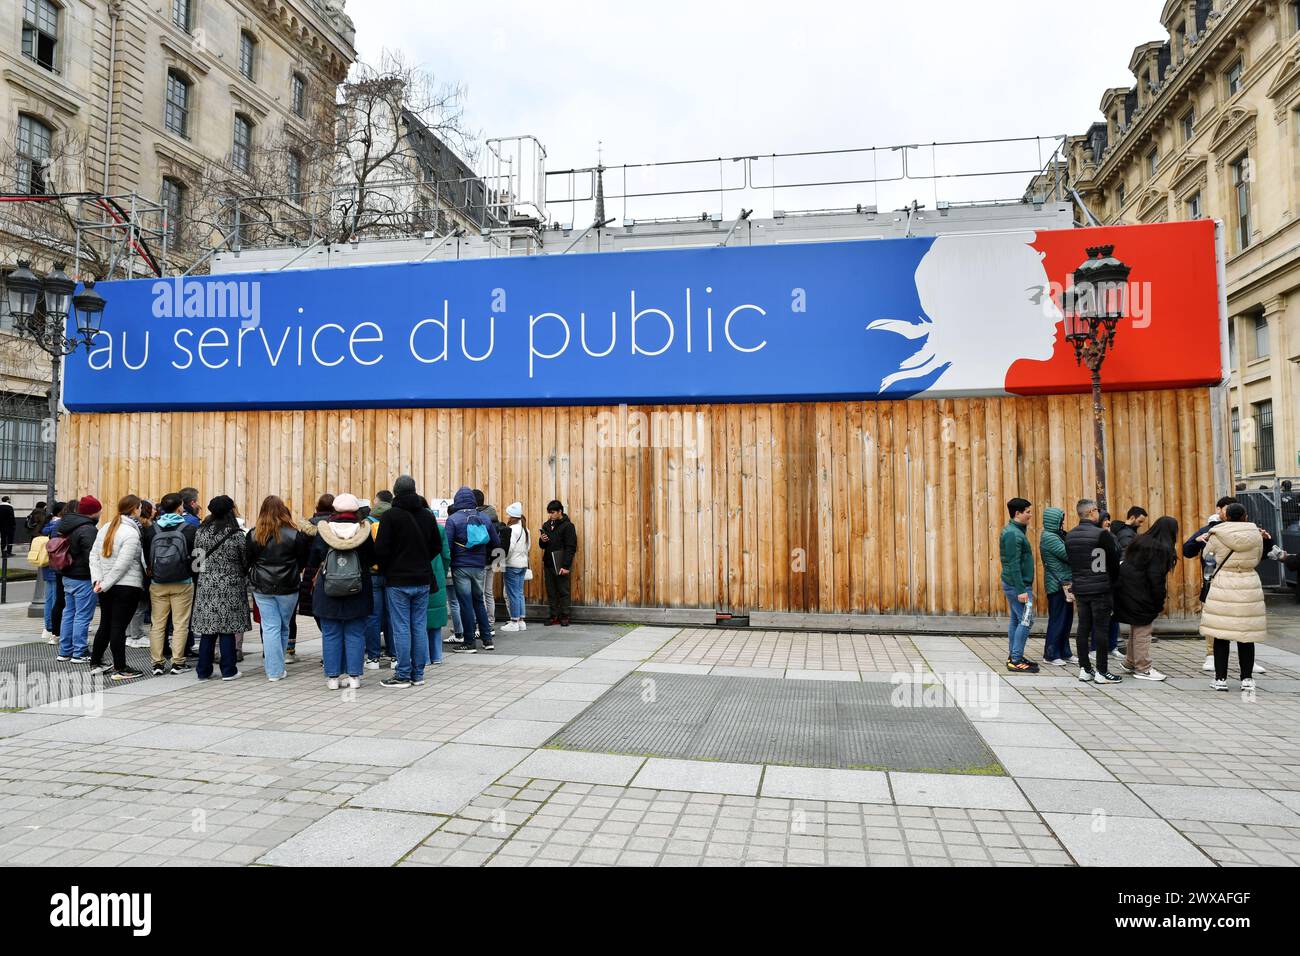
point(176, 113)
point(35, 143)
point(241, 155)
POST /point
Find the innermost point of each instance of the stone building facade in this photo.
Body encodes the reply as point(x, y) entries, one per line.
point(1212, 129)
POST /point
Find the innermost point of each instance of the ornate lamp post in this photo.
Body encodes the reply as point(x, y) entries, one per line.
point(1094, 306)
point(40, 310)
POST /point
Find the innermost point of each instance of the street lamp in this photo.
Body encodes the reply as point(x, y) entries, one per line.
point(40, 310)
point(1094, 306)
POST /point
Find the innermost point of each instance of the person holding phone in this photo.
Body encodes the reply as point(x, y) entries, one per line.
point(558, 540)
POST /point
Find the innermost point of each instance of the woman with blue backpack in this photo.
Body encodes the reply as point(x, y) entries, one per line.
point(342, 594)
point(472, 539)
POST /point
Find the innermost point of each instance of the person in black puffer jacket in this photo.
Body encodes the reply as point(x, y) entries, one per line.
point(1094, 566)
point(277, 552)
point(559, 543)
point(406, 542)
point(79, 594)
point(1141, 591)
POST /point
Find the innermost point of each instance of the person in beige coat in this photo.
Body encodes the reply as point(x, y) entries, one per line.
point(1234, 608)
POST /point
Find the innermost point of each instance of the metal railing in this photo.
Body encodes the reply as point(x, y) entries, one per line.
point(1276, 509)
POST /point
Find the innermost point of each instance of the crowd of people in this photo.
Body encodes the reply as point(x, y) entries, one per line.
point(383, 581)
point(1108, 572)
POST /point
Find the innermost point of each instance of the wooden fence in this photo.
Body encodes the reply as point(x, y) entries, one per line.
point(874, 507)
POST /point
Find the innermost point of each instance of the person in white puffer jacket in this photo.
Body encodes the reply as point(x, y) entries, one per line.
point(117, 573)
point(516, 548)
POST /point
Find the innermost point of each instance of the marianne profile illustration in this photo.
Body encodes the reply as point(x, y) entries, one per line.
point(985, 304)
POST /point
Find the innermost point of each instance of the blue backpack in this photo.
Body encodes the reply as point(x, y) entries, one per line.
point(475, 533)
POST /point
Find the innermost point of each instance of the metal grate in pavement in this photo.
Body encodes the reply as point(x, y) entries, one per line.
point(841, 724)
point(30, 675)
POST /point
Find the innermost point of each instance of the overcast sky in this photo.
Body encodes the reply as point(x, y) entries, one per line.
point(673, 79)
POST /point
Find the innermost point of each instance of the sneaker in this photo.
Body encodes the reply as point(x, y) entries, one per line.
point(521, 625)
point(1059, 662)
point(181, 668)
point(272, 680)
point(1217, 684)
point(137, 642)
point(372, 665)
point(127, 673)
point(1259, 668)
point(81, 659)
point(565, 622)
point(239, 657)
point(417, 681)
point(52, 639)
point(464, 649)
point(489, 646)
point(509, 628)
point(1086, 675)
point(1116, 655)
point(332, 683)
point(1022, 667)
point(1248, 683)
point(353, 683)
point(552, 622)
point(395, 681)
point(100, 668)
point(1209, 664)
point(1128, 668)
point(159, 670)
point(454, 639)
point(1106, 678)
point(1151, 674)
point(290, 655)
point(193, 655)
point(235, 676)
point(63, 660)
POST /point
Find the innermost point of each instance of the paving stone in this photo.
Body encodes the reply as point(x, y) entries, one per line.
point(353, 838)
point(374, 751)
point(1083, 796)
point(88, 730)
point(506, 732)
point(566, 690)
point(1124, 841)
point(272, 743)
point(954, 790)
point(580, 767)
point(807, 783)
point(699, 776)
point(177, 737)
point(556, 710)
point(1012, 734)
point(1221, 804)
point(1055, 762)
point(13, 724)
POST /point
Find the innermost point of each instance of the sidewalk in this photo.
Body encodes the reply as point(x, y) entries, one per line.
point(793, 749)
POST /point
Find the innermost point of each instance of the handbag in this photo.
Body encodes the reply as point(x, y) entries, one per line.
point(528, 574)
point(1205, 588)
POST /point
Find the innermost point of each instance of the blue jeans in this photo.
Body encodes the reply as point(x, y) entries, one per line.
point(408, 615)
point(435, 645)
point(1060, 624)
point(1017, 633)
point(515, 592)
point(453, 607)
point(343, 646)
point(79, 606)
point(276, 611)
point(207, 644)
point(378, 620)
point(469, 596)
point(51, 594)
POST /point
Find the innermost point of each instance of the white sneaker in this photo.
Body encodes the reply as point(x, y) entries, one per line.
point(1259, 668)
point(508, 627)
point(372, 665)
point(235, 676)
point(1152, 674)
point(353, 683)
point(1219, 685)
point(1085, 675)
point(1248, 684)
point(49, 638)
point(523, 625)
point(1209, 664)
point(332, 683)
point(1059, 662)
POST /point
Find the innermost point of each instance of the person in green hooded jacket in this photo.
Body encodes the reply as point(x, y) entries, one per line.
point(1018, 582)
point(1057, 578)
point(437, 616)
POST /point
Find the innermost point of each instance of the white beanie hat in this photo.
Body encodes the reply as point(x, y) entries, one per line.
point(346, 503)
point(515, 509)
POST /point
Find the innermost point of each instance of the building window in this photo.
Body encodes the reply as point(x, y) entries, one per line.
point(1232, 343)
point(1293, 16)
point(241, 155)
point(247, 54)
point(1234, 78)
point(293, 176)
point(176, 113)
point(299, 86)
point(1261, 337)
point(1180, 42)
point(173, 200)
point(1194, 207)
point(1241, 194)
point(34, 145)
point(1153, 163)
point(1236, 441)
point(1263, 414)
point(1189, 125)
point(183, 14)
point(40, 31)
point(23, 455)
point(1122, 195)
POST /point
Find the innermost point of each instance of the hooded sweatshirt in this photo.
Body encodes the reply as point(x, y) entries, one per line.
point(457, 530)
point(406, 543)
point(343, 533)
point(80, 531)
point(1051, 545)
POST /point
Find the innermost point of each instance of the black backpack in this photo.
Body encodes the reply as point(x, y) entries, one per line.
point(169, 556)
point(342, 573)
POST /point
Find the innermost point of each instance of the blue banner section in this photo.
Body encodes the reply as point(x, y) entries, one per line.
point(705, 325)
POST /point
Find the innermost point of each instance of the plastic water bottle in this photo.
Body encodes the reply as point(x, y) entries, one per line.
point(1211, 562)
point(1027, 617)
